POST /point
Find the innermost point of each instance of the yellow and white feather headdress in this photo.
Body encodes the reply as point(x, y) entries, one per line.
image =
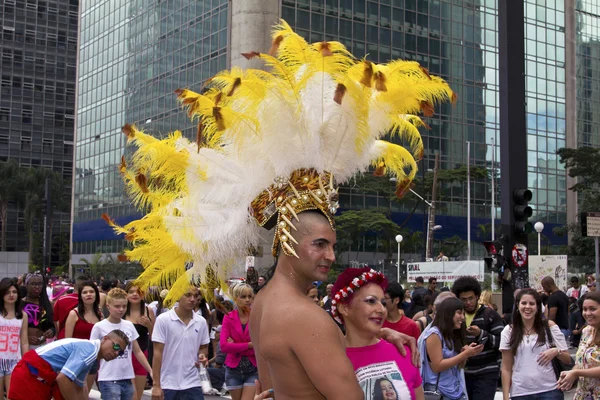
point(269, 145)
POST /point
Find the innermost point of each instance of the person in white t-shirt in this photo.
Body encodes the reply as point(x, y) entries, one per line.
point(528, 351)
point(181, 342)
point(114, 380)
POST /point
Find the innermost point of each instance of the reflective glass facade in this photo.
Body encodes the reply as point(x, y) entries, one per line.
point(131, 62)
point(133, 55)
point(452, 40)
point(546, 110)
point(38, 50)
point(587, 19)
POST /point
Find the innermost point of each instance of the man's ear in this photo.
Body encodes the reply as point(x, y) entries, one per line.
point(396, 301)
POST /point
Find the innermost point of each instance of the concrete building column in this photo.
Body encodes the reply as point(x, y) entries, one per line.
point(250, 25)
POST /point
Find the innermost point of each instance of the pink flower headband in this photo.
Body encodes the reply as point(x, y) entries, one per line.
point(357, 283)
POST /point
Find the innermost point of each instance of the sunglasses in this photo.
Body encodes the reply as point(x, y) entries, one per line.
point(117, 347)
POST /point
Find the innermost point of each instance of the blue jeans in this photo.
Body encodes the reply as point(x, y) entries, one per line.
point(431, 387)
point(194, 393)
point(482, 386)
point(236, 380)
point(116, 390)
point(551, 395)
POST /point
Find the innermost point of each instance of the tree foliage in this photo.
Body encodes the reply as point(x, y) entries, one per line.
point(353, 225)
point(583, 164)
point(11, 185)
point(25, 187)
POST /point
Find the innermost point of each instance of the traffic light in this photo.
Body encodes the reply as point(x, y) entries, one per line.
point(522, 211)
point(494, 261)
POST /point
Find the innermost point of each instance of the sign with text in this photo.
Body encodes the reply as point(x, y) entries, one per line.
point(590, 224)
point(445, 271)
point(552, 266)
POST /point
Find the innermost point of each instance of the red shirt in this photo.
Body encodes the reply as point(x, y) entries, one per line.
point(62, 308)
point(405, 325)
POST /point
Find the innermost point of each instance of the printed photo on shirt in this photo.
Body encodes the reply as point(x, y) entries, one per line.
point(383, 381)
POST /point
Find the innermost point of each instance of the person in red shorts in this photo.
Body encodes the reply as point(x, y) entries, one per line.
point(58, 370)
point(396, 320)
point(63, 306)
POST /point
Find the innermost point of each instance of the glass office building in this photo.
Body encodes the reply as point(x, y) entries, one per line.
point(133, 55)
point(38, 51)
point(154, 49)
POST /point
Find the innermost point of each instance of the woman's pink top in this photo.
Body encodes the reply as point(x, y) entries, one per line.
point(232, 328)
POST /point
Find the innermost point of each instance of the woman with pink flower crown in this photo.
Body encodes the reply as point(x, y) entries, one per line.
point(382, 372)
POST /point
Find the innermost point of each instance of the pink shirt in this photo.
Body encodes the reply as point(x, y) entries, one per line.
point(381, 371)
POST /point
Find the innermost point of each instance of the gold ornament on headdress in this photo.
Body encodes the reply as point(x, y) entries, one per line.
point(269, 146)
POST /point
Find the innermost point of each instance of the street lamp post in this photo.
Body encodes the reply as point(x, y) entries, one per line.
point(539, 227)
point(399, 240)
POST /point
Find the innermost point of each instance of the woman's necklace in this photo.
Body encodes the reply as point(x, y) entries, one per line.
point(528, 333)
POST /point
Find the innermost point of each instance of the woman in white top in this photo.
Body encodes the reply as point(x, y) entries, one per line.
point(13, 331)
point(527, 372)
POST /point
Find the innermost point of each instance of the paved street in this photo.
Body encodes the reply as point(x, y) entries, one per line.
point(96, 395)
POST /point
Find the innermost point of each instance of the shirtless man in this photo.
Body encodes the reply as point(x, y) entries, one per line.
point(299, 349)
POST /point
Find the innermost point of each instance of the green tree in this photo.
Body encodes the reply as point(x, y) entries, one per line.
point(484, 231)
point(11, 185)
point(583, 164)
point(454, 246)
point(33, 200)
point(353, 225)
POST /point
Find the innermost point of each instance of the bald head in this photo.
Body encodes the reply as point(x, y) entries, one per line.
point(548, 284)
point(309, 220)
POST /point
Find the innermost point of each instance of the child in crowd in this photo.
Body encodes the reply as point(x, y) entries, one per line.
point(114, 380)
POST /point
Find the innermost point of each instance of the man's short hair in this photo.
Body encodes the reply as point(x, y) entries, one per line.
point(116, 294)
point(431, 279)
point(419, 279)
point(466, 284)
point(395, 290)
point(121, 335)
point(106, 285)
point(574, 279)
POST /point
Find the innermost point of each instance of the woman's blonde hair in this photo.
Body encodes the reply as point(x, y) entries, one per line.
point(238, 289)
point(486, 298)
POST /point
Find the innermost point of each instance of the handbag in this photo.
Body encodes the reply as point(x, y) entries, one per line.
point(557, 365)
point(434, 394)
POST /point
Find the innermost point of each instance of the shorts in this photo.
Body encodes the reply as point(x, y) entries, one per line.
point(7, 367)
point(138, 369)
point(236, 380)
point(26, 386)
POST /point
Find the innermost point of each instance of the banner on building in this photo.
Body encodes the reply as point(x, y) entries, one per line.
point(553, 266)
point(445, 271)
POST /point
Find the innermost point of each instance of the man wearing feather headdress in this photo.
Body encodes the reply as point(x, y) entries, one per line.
point(271, 148)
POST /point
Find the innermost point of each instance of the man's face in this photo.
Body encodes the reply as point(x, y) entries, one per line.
point(433, 285)
point(188, 301)
point(328, 289)
point(261, 280)
point(111, 347)
point(469, 300)
point(391, 305)
point(575, 284)
point(315, 248)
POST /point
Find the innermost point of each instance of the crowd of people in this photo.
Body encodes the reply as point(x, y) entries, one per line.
point(469, 351)
point(399, 344)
